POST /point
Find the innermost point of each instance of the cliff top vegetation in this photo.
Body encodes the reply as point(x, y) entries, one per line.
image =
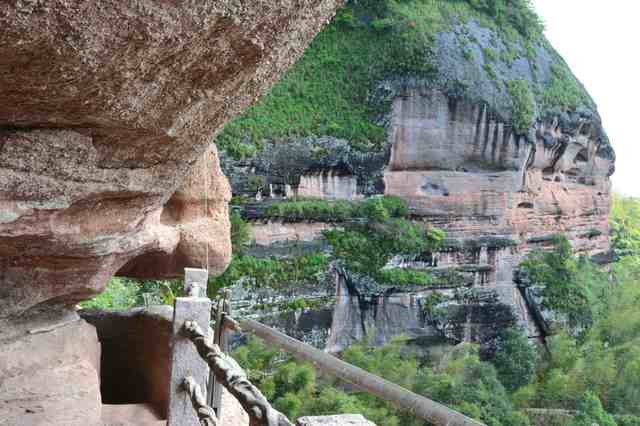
point(490, 51)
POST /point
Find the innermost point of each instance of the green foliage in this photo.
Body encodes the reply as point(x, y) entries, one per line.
point(255, 183)
point(337, 211)
point(124, 293)
point(628, 420)
point(605, 361)
point(518, 14)
point(563, 91)
point(590, 412)
point(404, 276)
point(328, 91)
point(272, 272)
point(119, 294)
point(489, 54)
point(515, 360)
point(240, 150)
point(461, 381)
point(563, 291)
point(367, 246)
point(625, 226)
point(524, 105)
point(240, 232)
point(488, 68)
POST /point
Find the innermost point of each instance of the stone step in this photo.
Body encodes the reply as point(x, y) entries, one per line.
point(130, 415)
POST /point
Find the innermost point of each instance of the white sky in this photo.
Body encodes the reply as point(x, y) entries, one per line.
point(600, 40)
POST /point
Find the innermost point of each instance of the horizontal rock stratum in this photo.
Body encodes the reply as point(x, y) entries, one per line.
point(106, 107)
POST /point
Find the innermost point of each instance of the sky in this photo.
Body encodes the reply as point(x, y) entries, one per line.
point(600, 40)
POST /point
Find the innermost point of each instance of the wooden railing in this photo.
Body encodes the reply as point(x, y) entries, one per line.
point(228, 374)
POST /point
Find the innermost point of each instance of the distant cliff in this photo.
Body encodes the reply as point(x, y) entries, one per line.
point(467, 114)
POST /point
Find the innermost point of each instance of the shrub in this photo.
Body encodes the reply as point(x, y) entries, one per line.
point(240, 232)
point(563, 92)
point(557, 272)
point(590, 412)
point(272, 272)
point(515, 359)
point(524, 105)
point(119, 294)
point(338, 211)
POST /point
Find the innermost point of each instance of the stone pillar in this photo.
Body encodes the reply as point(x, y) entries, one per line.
point(195, 282)
point(185, 360)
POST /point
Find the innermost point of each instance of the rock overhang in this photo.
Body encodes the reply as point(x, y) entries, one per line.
point(107, 108)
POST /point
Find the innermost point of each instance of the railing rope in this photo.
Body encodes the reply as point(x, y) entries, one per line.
point(402, 398)
point(206, 414)
point(234, 379)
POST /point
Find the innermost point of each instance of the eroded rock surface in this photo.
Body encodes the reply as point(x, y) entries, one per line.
point(339, 420)
point(107, 107)
point(135, 355)
point(501, 173)
point(51, 377)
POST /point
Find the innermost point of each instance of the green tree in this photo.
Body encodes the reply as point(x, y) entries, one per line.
point(556, 271)
point(240, 233)
point(625, 225)
point(590, 412)
point(515, 359)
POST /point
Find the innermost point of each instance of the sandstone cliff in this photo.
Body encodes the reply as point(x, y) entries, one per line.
point(107, 165)
point(477, 123)
point(107, 107)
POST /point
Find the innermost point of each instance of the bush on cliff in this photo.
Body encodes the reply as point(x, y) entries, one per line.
point(604, 360)
point(333, 89)
point(366, 247)
point(570, 287)
point(126, 293)
point(320, 210)
point(524, 105)
point(272, 272)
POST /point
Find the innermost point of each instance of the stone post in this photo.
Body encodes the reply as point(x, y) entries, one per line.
point(185, 360)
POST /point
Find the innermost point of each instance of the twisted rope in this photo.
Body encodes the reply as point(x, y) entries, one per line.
point(206, 414)
point(234, 379)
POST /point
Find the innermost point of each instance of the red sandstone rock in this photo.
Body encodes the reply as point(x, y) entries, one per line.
point(51, 378)
point(106, 107)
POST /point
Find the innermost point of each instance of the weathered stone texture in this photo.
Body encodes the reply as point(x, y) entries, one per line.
point(185, 359)
point(497, 195)
point(468, 173)
point(272, 232)
point(328, 185)
point(463, 170)
point(135, 356)
point(338, 420)
point(51, 378)
point(106, 108)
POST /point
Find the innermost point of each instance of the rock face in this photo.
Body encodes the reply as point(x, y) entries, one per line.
point(51, 377)
point(499, 146)
point(107, 107)
point(108, 114)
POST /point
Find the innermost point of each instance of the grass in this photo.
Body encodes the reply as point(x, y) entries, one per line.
point(330, 90)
